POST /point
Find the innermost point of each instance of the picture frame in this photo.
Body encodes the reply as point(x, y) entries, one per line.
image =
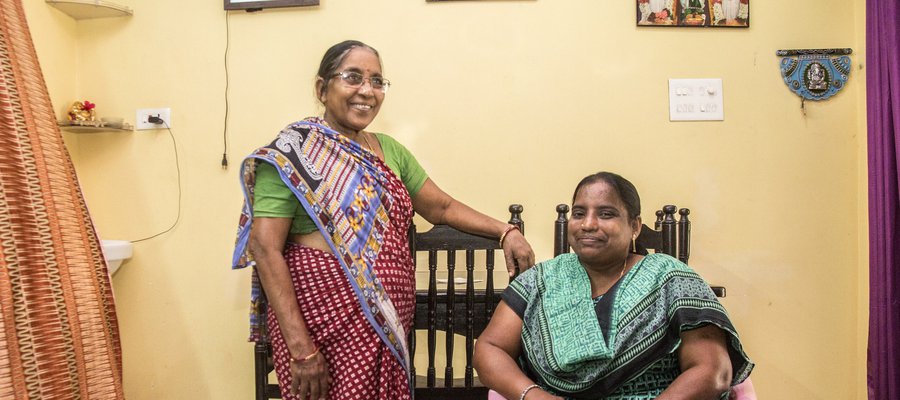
point(252, 5)
point(694, 13)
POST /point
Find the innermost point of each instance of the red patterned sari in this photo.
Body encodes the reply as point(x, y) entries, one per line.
point(359, 363)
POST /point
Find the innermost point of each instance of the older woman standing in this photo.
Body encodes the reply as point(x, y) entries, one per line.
point(604, 322)
point(327, 208)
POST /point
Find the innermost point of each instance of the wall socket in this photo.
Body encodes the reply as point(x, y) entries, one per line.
point(143, 114)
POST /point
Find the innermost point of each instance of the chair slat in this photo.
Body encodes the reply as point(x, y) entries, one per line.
point(451, 296)
point(470, 315)
point(490, 303)
point(432, 307)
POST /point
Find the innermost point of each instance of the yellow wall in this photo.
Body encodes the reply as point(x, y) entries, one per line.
point(862, 284)
point(501, 101)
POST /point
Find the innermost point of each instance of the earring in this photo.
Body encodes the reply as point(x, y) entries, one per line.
point(634, 243)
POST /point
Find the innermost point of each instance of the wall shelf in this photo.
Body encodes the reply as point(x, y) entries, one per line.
point(94, 129)
point(89, 9)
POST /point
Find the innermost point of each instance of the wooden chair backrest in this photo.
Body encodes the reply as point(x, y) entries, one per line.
point(443, 309)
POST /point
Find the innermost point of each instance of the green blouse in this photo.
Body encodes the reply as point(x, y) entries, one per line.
point(272, 198)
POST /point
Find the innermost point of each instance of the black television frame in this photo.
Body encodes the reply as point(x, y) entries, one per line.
point(261, 4)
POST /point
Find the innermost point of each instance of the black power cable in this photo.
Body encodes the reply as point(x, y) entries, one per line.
point(157, 120)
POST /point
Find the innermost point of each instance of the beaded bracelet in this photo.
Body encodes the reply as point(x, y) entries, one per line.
point(528, 389)
point(505, 231)
point(307, 358)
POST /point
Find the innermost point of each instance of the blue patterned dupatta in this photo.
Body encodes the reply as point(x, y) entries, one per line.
point(340, 187)
point(623, 347)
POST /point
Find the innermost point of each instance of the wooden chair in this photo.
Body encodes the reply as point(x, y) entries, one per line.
point(667, 236)
point(445, 310)
point(468, 315)
point(262, 356)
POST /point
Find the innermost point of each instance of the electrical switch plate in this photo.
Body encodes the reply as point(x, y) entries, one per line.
point(143, 114)
point(696, 100)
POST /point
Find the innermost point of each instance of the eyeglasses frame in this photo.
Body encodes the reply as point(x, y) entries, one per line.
point(386, 83)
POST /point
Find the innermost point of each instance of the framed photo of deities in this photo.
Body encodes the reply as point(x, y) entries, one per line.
point(696, 13)
point(261, 4)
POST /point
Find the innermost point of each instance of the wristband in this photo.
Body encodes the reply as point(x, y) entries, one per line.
point(508, 229)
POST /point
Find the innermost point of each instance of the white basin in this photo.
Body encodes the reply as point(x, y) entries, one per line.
point(116, 252)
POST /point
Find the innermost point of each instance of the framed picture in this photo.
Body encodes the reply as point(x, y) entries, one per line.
point(260, 4)
point(694, 13)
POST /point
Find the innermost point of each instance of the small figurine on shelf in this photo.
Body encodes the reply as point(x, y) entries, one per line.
point(82, 111)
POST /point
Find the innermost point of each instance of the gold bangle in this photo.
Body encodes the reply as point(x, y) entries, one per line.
point(307, 358)
point(505, 231)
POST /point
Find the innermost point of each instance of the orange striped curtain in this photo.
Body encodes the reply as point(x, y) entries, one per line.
point(59, 338)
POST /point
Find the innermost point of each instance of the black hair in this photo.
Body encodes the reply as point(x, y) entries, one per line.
point(334, 56)
point(624, 188)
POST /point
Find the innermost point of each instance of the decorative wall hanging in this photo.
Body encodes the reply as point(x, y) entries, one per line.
point(815, 74)
point(695, 13)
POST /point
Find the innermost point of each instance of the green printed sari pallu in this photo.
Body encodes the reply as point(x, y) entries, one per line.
point(622, 346)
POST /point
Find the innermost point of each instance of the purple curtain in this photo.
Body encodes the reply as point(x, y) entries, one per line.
point(883, 85)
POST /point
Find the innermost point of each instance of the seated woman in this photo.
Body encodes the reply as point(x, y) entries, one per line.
point(607, 323)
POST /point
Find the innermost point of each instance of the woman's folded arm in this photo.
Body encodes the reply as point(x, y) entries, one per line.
point(705, 365)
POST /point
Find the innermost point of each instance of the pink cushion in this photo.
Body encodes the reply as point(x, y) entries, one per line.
point(743, 391)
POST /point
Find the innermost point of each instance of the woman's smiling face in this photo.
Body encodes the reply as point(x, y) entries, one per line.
point(351, 109)
point(600, 230)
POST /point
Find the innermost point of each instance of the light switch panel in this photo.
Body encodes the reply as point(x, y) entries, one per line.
point(695, 100)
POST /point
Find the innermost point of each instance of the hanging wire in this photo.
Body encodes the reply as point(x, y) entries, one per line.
point(178, 170)
point(225, 122)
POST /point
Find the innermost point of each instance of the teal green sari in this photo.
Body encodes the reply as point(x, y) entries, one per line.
point(622, 346)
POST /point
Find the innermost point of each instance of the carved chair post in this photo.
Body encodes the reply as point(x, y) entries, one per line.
point(684, 235)
point(411, 337)
point(668, 230)
point(263, 354)
point(515, 217)
point(560, 240)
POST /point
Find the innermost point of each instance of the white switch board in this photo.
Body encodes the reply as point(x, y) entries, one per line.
point(695, 100)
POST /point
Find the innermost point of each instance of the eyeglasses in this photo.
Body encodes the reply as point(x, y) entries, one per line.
point(356, 79)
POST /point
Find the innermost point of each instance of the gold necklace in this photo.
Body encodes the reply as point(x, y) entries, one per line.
point(366, 138)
